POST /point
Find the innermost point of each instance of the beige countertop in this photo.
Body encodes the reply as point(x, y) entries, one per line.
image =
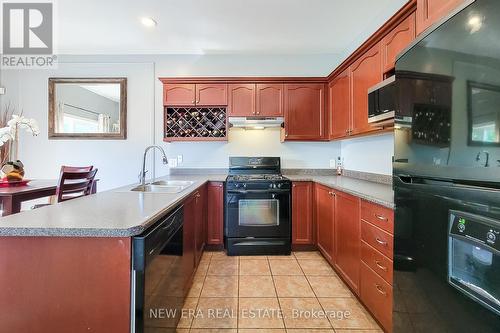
point(381, 194)
point(124, 213)
point(114, 213)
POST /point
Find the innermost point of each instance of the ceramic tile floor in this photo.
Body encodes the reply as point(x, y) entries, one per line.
point(297, 293)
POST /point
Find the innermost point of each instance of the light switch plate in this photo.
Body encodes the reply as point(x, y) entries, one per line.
point(172, 162)
point(2, 90)
point(179, 159)
point(333, 164)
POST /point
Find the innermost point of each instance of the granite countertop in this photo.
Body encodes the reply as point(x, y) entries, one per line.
point(114, 213)
point(381, 194)
point(123, 213)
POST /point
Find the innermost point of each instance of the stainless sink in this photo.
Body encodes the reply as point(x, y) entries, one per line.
point(164, 186)
point(158, 189)
point(183, 183)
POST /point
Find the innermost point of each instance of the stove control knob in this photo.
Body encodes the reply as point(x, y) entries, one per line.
point(271, 185)
point(245, 185)
point(237, 185)
point(279, 185)
point(461, 227)
point(491, 237)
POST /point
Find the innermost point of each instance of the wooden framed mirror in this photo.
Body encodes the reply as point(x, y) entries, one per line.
point(88, 108)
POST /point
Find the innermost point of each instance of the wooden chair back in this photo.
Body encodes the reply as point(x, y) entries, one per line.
point(75, 182)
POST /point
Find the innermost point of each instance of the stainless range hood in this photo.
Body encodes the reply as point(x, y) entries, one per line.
point(255, 122)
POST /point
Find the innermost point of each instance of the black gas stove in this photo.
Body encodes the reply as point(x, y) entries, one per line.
point(258, 207)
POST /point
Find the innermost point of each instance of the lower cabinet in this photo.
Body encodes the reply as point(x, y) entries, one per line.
point(376, 294)
point(200, 224)
point(347, 238)
point(325, 215)
point(302, 213)
point(215, 213)
point(189, 231)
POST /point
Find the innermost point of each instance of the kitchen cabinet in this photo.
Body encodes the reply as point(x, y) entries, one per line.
point(376, 294)
point(241, 100)
point(395, 41)
point(215, 213)
point(305, 116)
point(365, 73)
point(179, 94)
point(302, 213)
point(211, 94)
point(347, 238)
point(200, 222)
point(191, 94)
point(269, 101)
point(340, 105)
point(325, 215)
point(188, 236)
point(431, 11)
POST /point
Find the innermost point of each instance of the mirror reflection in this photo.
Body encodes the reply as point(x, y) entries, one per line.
point(87, 108)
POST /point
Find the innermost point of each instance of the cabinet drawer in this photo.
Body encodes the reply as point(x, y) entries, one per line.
point(377, 238)
point(377, 262)
point(377, 215)
point(376, 294)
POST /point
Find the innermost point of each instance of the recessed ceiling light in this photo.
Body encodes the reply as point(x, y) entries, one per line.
point(475, 23)
point(148, 22)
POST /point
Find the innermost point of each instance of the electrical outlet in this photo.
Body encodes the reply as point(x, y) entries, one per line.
point(172, 162)
point(179, 159)
point(333, 164)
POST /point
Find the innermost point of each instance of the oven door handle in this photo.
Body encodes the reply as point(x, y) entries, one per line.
point(273, 191)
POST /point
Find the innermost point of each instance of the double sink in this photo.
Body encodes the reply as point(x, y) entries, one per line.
point(164, 186)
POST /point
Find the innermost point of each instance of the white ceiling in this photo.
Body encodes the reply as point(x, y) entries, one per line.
point(218, 26)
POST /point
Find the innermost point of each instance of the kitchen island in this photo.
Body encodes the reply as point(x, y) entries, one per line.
point(67, 267)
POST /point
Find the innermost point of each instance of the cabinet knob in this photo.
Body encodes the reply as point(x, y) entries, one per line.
point(294, 185)
point(192, 102)
point(258, 112)
point(197, 102)
point(286, 135)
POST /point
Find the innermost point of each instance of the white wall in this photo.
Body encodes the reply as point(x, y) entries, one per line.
point(369, 154)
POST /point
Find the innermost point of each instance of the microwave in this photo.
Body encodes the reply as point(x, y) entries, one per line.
point(382, 100)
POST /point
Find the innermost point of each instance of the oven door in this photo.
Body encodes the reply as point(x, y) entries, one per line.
point(258, 213)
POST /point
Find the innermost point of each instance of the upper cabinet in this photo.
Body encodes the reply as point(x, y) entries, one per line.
point(179, 94)
point(190, 94)
point(431, 11)
point(365, 73)
point(340, 105)
point(305, 116)
point(270, 99)
point(211, 94)
point(241, 100)
point(395, 41)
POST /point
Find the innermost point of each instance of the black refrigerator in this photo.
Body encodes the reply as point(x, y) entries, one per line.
point(447, 176)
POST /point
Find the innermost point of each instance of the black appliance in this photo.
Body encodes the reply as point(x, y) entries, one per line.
point(382, 101)
point(159, 285)
point(258, 207)
point(447, 176)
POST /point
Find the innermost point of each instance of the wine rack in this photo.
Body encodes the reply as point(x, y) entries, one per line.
point(195, 124)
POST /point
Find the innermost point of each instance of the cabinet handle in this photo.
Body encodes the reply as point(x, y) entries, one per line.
point(380, 290)
point(381, 242)
point(381, 217)
point(331, 193)
point(380, 266)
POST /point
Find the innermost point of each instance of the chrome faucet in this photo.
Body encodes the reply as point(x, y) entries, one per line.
point(487, 154)
point(142, 175)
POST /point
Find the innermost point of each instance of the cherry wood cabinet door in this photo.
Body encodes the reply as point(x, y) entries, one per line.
point(179, 94)
point(347, 238)
point(241, 100)
point(215, 213)
point(340, 105)
point(211, 94)
point(431, 11)
point(325, 215)
point(269, 100)
point(365, 73)
point(302, 213)
point(200, 224)
point(305, 111)
point(395, 41)
point(189, 231)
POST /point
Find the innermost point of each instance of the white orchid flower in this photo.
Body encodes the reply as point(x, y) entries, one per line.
point(29, 124)
point(5, 135)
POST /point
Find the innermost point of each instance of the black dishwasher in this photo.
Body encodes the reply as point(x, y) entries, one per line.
point(158, 284)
